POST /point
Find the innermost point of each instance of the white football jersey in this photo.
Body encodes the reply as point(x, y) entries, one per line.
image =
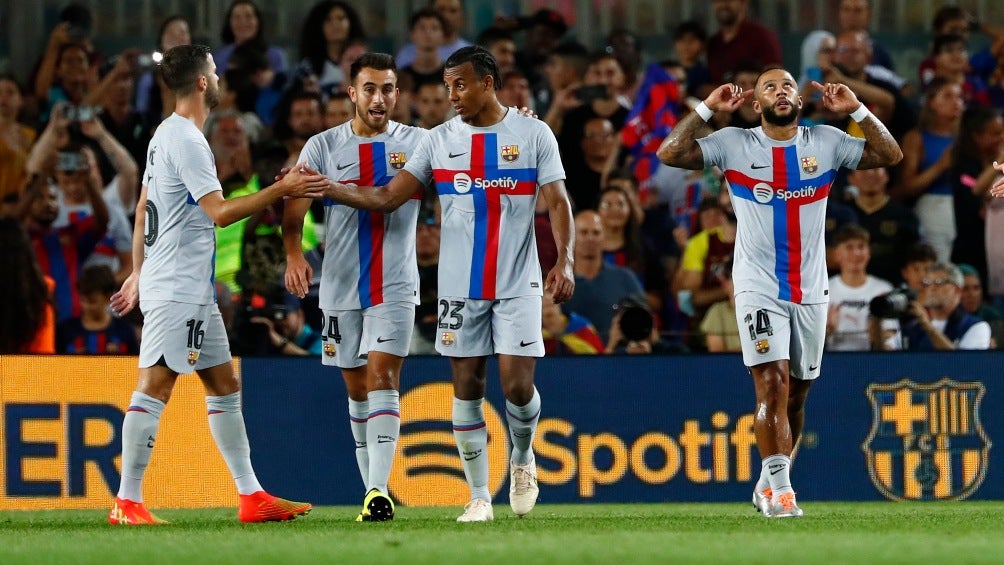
point(779, 191)
point(369, 256)
point(487, 180)
point(180, 244)
point(851, 332)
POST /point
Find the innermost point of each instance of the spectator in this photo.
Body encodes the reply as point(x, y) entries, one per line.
point(69, 80)
point(328, 30)
point(720, 326)
point(15, 138)
point(27, 320)
point(940, 323)
point(744, 75)
point(249, 68)
point(501, 45)
point(515, 91)
point(154, 99)
point(818, 49)
point(633, 331)
point(951, 62)
point(955, 20)
point(565, 68)
point(850, 67)
point(569, 334)
point(244, 25)
point(839, 214)
point(598, 285)
point(974, 303)
point(980, 142)
point(927, 159)
point(298, 118)
point(739, 40)
point(338, 110)
point(690, 40)
point(427, 30)
point(114, 95)
point(892, 227)
point(856, 15)
point(96, 331)
point(697, 285)
point(433, 105)
point(597, 146)
point(915, 264)
point(544, 30)
point(626, 48)
point(62, 251)
point(427, 312)
point(851, 292)
point(286, 330)
point(451, 13)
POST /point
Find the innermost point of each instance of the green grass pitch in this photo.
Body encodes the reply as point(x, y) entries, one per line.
point(612, 534)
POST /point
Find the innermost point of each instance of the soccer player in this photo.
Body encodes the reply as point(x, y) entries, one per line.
point(369, 277)
point(173, 248)
point(779, 176)
point(488, 164)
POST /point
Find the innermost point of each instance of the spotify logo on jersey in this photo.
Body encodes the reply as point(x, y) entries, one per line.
point(462, 183)
point(763, 193)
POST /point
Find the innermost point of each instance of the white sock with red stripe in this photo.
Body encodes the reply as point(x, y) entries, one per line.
point(139, 432)
point(522, 427)
point(226, 423)
point(382, 431)
point(359, 412)
point(471, 433)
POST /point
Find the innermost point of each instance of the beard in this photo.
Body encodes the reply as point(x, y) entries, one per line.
point(776, 119)
point(212, 96)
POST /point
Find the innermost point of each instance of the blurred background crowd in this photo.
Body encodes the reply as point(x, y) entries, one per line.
point(80, 95)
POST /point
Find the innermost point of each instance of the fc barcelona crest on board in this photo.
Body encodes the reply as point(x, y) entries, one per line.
point(397, 160)
point(510, 153)
point(927, 441)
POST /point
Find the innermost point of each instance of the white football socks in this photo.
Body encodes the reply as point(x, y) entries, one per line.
point(522, 427)
point(471, 433)
point(226, 423)
point(359, 412)
point(139, 431)
point(778, 468)
point(382, 431)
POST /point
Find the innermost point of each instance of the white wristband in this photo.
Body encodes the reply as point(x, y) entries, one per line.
point(860, 114)
point(703, 111)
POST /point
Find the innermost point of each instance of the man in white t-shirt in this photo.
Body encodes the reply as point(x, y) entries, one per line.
point(851, 293)
point(172, 280)
point(779, 176)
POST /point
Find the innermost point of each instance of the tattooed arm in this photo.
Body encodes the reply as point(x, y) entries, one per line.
point(680, 148)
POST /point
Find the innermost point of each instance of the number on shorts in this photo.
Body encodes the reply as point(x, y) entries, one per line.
point(762, 325)
point(333, 332)
point(456, 318)
point(195, 334)
point(152, 227)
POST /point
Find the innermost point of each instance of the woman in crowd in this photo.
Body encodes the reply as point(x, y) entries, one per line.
point(329, 29)
point(244, 25)
point(153, 99)
point(27, 323)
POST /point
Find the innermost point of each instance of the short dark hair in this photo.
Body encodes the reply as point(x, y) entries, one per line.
point(945, 40)
point(183, 65)
point(690, 27)
point(920, 253)
point(96, 279)
point(377, 61)
point(493, 35)
point(852, 232)
point(479, 58)
point(946, 14)
point(427, 14)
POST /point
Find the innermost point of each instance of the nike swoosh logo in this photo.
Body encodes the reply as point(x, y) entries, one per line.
point(385, 340)
point(454, 156)
point(776, 471)
point(521, 436)
point(759, 166)
point(343, 167)
point(475, 456)
point(522, 344)
point(811, 368)
point(385, 440)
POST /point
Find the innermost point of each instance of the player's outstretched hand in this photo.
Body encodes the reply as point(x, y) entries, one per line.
point(560, 283)
point(302, 182)
point(299, 275)
point(837, 97)
point(727, 98)
point(524, 111)
point(998, 188)
point(127, 297)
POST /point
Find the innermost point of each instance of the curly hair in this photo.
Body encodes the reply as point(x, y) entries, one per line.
point(23, 287)
point(313, 45)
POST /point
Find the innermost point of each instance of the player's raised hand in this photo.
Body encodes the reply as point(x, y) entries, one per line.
point(837, 97)
point(127, 297)
point(727, 98)
point(998, 188)
point(299, 275)
point(302, 182)
point(560, 283)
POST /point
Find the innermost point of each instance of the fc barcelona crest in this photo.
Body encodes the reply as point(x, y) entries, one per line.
point(809, 165)
point(510, 153)
point(397, 160)
point(193, 357)
point(927, 441)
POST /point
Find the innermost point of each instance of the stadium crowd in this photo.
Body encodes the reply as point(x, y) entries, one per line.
point(914, 252)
